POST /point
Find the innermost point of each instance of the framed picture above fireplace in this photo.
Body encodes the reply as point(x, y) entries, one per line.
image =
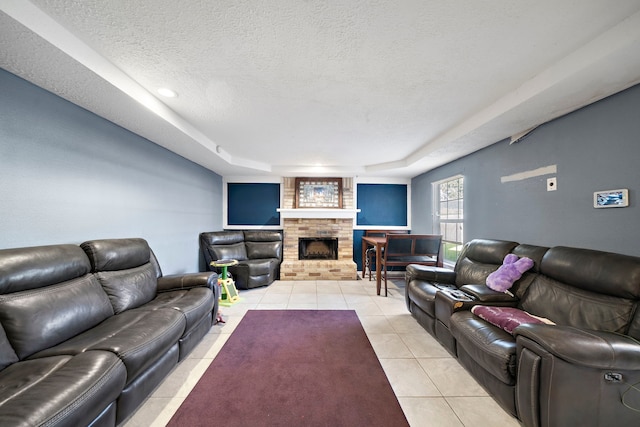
point(319, 193)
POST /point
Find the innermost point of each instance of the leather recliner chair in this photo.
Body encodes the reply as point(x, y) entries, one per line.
point(258, 252)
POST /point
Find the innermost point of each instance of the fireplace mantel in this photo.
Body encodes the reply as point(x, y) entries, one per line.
point(318, 213)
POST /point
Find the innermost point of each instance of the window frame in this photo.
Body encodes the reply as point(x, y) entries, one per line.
point(449, 245)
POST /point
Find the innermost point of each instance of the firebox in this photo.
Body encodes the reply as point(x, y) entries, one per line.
point(317, 248)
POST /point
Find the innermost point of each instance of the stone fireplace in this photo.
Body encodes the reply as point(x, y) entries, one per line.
point(318, 225)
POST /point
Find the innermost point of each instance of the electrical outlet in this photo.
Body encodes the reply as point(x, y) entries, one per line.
point(552, 184)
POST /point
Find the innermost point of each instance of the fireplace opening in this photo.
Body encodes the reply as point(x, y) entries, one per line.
point(317, 248)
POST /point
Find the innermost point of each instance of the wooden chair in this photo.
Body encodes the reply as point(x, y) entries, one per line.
point(370, 257)
point(404, 249)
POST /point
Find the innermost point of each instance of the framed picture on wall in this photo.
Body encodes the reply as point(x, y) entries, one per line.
point(611, 198)
point(319, 193)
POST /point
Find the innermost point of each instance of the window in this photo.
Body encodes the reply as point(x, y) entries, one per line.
point(448, 215)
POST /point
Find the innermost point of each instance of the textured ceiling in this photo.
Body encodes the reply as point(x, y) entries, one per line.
point(292, 88)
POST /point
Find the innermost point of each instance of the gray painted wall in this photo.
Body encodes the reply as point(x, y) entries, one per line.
point(595, 148)
point(67, 175)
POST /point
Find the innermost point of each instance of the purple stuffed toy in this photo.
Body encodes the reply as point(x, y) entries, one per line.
point(511, 270)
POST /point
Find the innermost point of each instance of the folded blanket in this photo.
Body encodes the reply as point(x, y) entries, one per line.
point(507, 318)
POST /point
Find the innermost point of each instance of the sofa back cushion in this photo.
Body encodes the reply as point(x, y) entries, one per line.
point(39, 266)
point(586, 289)
point(601, 272)
point(41, 318)
point(263, 244)
point(571, 306)
point(125, 271)
point(479, 258)
point(261, 250)
point(262, 236)
point(129, 288)
point(221, 237)
point(236, 251)
point(116, 254)
point(217, 245)
point(534, 253)
point(8, 355)
point(46, 297)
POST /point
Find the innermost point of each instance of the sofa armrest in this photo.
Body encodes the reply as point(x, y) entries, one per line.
point(187, 281)
point(594, 349)
point(488, 296)
point(430, 274)
point(448, 301)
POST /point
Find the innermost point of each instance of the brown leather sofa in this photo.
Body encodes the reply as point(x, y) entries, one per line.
point(258, 252)
point(87, 332)
point(583, 370)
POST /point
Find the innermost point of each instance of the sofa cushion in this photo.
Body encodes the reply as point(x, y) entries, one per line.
point(138, 337)
point(491, 347)
point(480, 258)
point(505, 276)
point(487, 251)
point(264, 250)
point(255, 267)
point(61, 390)
point(423, 294)
point(262, 236)
point(221, 237)
point(116, 254)
point(194, 304)
point(235, 251)
point(39, 318)
point(7, 354)
point(35, 267)
point(602, 272)
point(129, 288)
point(571, 306)
point(534, 253)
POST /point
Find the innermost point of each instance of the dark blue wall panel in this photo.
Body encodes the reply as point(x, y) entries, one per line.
point(357, 247)
point(253, 203)
point(382, 204)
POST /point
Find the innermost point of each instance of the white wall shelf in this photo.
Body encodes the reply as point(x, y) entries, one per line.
point(318, 213)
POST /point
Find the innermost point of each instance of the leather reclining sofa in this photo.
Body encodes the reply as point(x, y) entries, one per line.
point(87, 332)
point(584, 370)
point(258, 252)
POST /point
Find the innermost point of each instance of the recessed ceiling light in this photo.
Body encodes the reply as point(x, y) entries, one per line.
point(167, 92)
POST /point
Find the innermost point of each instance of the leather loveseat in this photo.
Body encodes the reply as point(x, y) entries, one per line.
point(258, 252)
point(584, 369)
point(87, 332)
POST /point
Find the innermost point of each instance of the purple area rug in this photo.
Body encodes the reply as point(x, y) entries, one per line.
point(294, 368)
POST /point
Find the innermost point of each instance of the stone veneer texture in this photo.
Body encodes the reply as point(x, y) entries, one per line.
point(344, 268)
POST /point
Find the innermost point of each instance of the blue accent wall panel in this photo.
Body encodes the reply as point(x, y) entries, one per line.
point(382, 204)
point(253, 203)
point(357, 247)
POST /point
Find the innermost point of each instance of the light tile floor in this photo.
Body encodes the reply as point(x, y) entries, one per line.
point(432, 388)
